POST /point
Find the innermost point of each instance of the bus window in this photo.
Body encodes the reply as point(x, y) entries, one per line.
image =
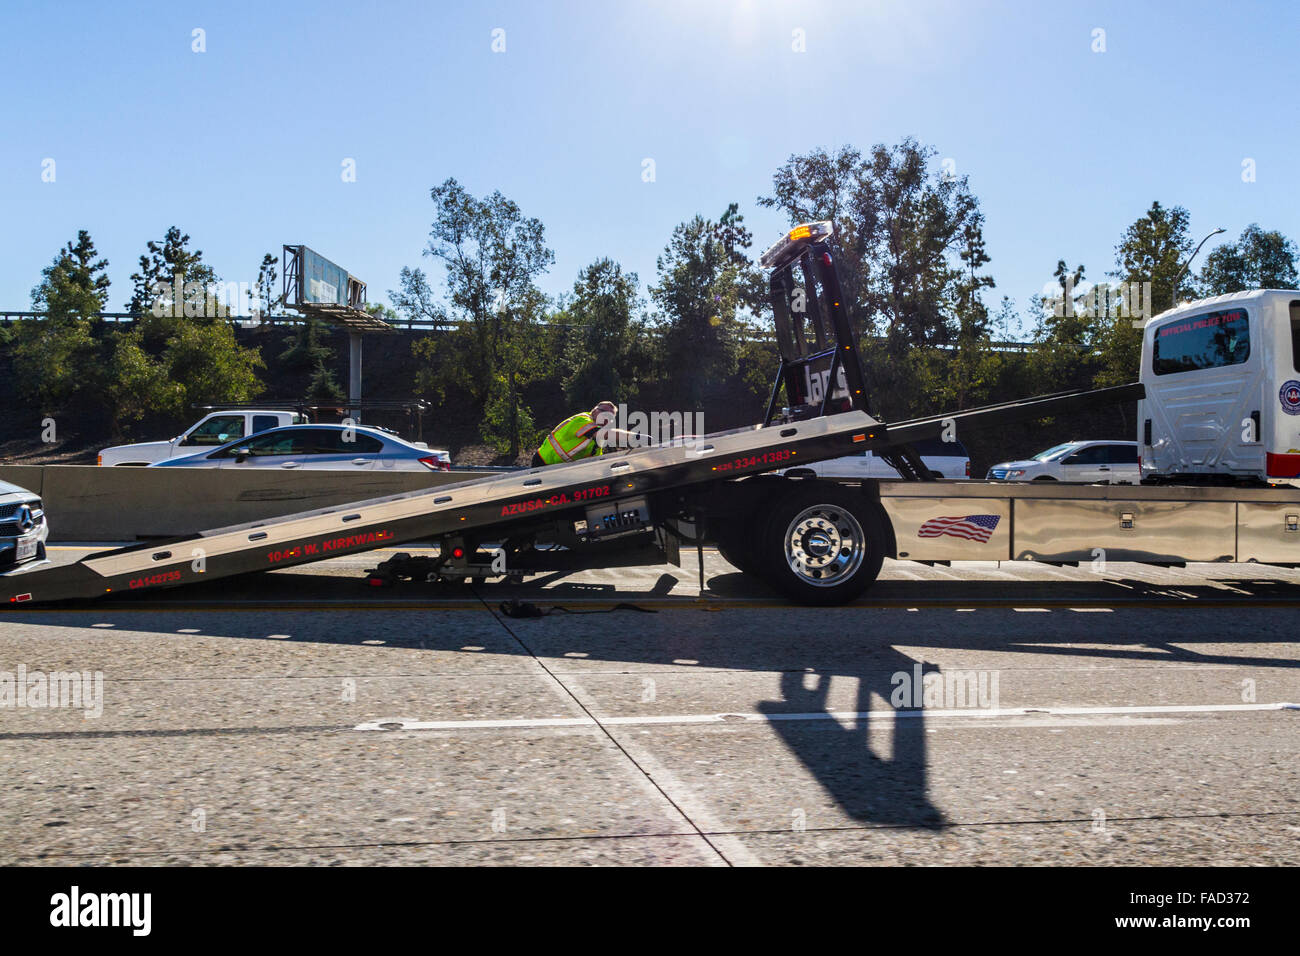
point(1213, 340)
point(1295, 335)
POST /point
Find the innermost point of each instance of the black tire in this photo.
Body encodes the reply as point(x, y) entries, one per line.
point(738, 557)
point(736, 545)
point(821, 545)
point(1043, 478)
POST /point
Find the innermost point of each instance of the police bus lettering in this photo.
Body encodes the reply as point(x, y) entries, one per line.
point(153, 579)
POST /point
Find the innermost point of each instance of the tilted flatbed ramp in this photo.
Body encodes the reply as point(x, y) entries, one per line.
point(500, 500)
point(477, 503)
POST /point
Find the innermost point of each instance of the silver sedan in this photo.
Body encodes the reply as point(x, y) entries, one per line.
point(318, 448)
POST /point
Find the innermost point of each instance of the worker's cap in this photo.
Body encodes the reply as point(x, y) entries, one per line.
point(604, 410)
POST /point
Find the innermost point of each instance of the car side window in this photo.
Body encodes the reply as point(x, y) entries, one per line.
point(365, 445)
point(318, 441)
point(282, 444)
point(330, 441)
point(1122, 454)
point(335, 443)
point(322, 441)
point(262, 423)
point(1092, 455)
point(217, 431)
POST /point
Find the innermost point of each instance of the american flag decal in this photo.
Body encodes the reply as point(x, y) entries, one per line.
point(973, 527)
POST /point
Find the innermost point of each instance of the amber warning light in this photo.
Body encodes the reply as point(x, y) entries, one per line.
point(789, 244)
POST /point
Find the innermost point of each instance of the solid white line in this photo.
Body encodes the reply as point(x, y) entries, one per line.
point(876, 715)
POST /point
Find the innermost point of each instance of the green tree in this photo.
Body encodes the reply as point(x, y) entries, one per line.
point(307, 352)
point(268, 300)
point(383, 312)
point(199, 363)
point(1063, 319)
point(909, 239)
point(828, 186)
point(170, 362)
point(57, 359)
point(161, 267)
point(416, 300)
point(493, 255)
point(705, 279)
point(140, 387)
point(1063, 335)
point(75, 283)
point(1259, 259)
point(1117, 342)
point(916, 222)
point(604, 357)
point(1153, 250)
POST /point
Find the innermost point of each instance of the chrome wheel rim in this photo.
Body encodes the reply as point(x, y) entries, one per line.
point(824, 545)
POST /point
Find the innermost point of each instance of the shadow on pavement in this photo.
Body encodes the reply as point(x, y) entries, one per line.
point(807, 647)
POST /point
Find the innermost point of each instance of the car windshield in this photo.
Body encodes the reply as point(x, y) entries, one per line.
point(1056, 451)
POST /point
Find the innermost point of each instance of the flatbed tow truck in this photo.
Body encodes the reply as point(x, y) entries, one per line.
point(820, 541)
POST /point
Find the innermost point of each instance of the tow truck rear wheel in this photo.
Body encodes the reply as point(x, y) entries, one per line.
point(821, 545)
point(738, 556)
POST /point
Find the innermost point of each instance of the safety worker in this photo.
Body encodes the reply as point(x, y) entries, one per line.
point(576, 437)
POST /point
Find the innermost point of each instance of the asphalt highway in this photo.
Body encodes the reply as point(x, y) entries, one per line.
point(980, 713)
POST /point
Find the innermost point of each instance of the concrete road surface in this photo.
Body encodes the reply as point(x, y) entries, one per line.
point(978, 714)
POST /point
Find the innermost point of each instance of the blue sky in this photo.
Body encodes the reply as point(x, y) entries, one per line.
point(242, 145)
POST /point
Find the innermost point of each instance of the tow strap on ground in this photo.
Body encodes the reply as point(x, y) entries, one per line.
point(528, 609)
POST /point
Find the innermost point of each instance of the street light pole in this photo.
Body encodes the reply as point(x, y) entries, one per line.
point(1173, 303)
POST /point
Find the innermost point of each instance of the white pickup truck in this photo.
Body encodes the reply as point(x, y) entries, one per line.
point(210, 431)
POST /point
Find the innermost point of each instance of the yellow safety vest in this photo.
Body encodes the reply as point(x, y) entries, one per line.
point(564, 443)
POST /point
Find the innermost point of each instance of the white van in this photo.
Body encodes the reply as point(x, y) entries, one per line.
point(1222, 379)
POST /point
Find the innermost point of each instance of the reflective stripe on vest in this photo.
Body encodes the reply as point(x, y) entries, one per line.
point(565, 444)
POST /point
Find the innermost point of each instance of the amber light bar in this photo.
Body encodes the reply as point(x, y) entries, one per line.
point(787, 245)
